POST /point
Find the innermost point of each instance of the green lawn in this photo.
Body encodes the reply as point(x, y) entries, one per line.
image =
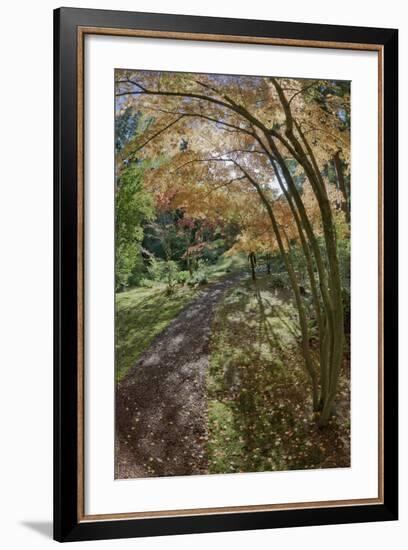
point(141, 314)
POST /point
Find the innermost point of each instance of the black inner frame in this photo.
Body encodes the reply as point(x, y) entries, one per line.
point(66, 524)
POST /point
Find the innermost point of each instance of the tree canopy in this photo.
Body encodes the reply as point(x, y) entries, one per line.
point(260, 162)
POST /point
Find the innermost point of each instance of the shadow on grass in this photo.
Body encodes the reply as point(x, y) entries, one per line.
point(260, 412)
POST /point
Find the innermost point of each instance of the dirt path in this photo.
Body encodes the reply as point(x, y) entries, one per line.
point(161, 404)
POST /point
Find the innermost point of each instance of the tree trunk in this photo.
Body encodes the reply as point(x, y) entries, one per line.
point(308, 161)
point(342, 185)
point(189, 266)
point(309, 364)
point(252, 261)
point(325, 319)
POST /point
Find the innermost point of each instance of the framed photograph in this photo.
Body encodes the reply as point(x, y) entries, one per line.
point(225, 274)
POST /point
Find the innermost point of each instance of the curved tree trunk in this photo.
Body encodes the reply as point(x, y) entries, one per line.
point(309, 363)
point(308, 161)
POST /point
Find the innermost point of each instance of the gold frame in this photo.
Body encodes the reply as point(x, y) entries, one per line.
point(81, 33)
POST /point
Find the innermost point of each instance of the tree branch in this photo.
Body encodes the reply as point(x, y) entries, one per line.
point(161, 131)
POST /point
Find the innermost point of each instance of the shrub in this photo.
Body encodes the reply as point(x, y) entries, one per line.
point(278, 280)
point(201, 275)
point(156, 269)
point(183, 277)
point(199, 278)
point(163, 270)
point(147, 283)
point(170, 273)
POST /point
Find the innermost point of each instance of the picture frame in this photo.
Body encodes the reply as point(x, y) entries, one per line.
point(71, 27)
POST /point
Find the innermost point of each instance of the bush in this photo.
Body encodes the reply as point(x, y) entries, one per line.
point(147, 283)
point(170, 273)
point(127, 261)
point(201, 275)
point(164, 271)
point(199, 278)
point(156, 269)
point(183, 277)
point(278, 280)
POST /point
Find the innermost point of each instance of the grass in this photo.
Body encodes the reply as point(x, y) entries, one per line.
point(259, 412)
point(259, 403)
point(227, 265)
point(141, 314)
